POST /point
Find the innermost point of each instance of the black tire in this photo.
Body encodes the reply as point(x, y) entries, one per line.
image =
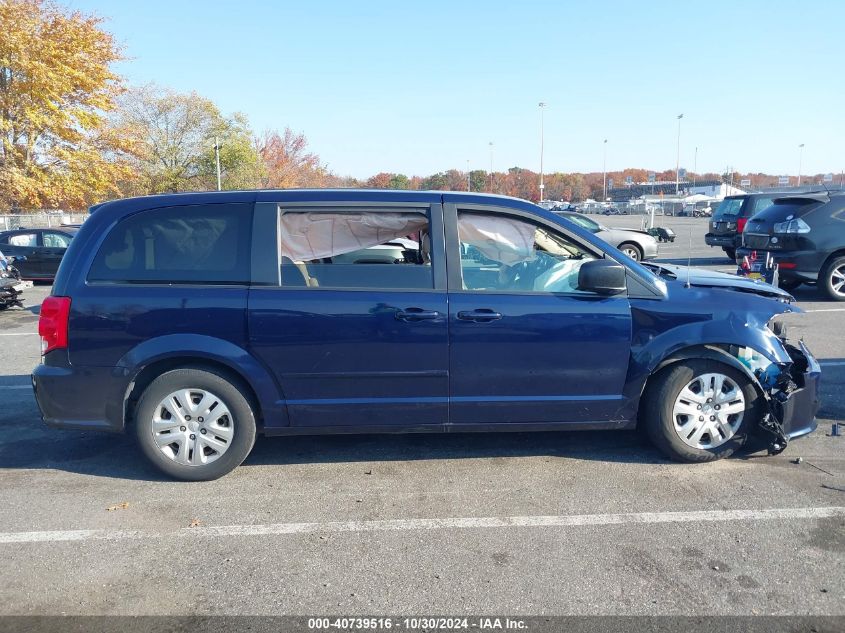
point(829, 276)
point(659, 399)
point(230, 393)
point(636, 253)
point(731, 253)
point(789, 284)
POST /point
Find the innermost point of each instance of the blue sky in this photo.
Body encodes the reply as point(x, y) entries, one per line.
point(420, 87)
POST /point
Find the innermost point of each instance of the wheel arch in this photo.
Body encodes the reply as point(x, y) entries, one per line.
point(156, 356)
point(706, 352)
point(837, 253)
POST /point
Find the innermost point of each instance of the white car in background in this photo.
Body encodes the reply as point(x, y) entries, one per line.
point(638, 245)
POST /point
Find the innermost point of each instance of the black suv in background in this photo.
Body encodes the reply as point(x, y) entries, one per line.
point(806, 236)
point(730, 217)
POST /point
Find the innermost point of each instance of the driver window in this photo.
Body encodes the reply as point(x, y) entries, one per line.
point(501, 253)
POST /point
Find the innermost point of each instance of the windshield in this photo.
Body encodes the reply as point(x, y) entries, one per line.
point(730, 207)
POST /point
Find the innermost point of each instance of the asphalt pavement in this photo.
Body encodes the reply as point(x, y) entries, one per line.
point(523, 524)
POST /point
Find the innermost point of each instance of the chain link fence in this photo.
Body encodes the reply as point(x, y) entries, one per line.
point(39, 220)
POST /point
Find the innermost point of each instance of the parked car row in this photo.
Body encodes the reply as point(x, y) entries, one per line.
point(803, 234)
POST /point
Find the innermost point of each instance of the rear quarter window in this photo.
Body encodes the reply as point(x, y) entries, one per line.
point(187, 244)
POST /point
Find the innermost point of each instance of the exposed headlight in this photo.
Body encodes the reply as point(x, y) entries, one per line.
point(792, 226)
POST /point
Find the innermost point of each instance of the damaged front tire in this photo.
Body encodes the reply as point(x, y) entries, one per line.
point(700, 410)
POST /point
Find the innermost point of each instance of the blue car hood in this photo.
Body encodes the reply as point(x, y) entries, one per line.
point(701, 277)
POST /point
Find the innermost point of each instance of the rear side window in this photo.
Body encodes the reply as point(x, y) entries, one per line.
point(729, 208)
point(355, 249)
point(187, 244)
point(24, 239)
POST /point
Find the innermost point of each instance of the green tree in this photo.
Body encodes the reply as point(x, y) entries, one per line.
point(399, 181)
point(174, 142)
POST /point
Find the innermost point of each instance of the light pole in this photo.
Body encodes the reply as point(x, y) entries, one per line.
point(604, 172)
point(217, 160)
point(678, 161)
point(800, 160)
point(542, 186)
point(469, 188)
point(694, 167)
point(491, 166)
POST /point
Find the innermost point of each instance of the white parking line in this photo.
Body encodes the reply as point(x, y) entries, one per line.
point(832, 363)
point(577, 520)
point(826, 310)
point(16, 387)
point(18, 333)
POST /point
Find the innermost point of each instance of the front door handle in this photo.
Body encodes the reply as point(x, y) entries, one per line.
point(416, 314)
point(481, 315)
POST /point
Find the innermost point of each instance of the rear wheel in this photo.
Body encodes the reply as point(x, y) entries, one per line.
point(731, 253)
point(195, 424)
point(700, 410)
point(833, 279)
point(631, 250)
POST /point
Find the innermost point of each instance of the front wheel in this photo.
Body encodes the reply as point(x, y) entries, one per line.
point(631, 250)
point(731, 253)
point(195, 424)
point(700, 410)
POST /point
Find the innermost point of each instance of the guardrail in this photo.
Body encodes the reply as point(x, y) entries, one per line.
point(39, 220)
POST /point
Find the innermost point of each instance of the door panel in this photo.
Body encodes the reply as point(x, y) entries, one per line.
point(547, 359)
point(353, 325)
point(526, 344)
point(349, 358)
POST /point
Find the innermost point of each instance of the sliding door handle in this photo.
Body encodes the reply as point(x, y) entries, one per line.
point(481, 315)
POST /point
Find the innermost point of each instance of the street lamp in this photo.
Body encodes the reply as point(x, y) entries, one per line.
point(604, 172)
point(678, 161)
point(694, 167)
point(800, 160)
point(217, 160)
point(491, 166)
point(542, 106)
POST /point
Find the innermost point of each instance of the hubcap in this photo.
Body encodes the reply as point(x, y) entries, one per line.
point(192, 427)
point(708, 411)
point(837, 280)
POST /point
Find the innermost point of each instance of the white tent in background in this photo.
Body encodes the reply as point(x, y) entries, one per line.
point(698, 197)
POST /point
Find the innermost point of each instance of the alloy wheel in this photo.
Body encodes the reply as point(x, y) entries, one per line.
point(631, 252)
point(837, 280)
point(708, 411)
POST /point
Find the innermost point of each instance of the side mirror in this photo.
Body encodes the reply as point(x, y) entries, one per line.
point(17, 258)
point(602, 276)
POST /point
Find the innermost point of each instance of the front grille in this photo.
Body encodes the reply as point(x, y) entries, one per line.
point(755, 240)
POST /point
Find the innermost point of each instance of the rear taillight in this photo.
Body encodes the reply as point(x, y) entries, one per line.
point(740, 224)
point(52, 323)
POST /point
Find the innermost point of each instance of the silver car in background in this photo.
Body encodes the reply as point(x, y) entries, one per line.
point(638, 245)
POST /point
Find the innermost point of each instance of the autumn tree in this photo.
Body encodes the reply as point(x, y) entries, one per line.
point(174, 136)
point(56, 86)
point(287, 162)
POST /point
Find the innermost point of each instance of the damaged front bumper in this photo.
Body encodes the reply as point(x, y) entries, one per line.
point(792, 398)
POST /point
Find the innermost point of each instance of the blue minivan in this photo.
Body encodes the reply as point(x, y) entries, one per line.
point(196, 321)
